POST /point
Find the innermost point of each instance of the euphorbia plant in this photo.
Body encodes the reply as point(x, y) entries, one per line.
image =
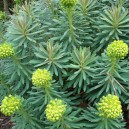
point(21, 113)
point(61, 116)
point(111, 72)
point(108, 114)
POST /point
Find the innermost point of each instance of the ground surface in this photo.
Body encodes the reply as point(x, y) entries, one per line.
point(6, 124)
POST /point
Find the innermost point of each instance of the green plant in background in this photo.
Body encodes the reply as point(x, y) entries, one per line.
point(69, 6)
point(69, 60)
point(6, 51)
point(52, 57)
point(2, 26)
point(81, 69)
point(21, 32)
point(4, 87)
point(15, 68)
point(113, 24)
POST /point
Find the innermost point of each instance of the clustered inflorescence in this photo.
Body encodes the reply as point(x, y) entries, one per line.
point(41, 77)
point(110, 107)
point(55, 110)
point(10, 104)
point(69, 3)
point(117, 49)
point(6, 50)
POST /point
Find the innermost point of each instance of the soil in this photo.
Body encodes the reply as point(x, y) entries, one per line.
point(5, 122)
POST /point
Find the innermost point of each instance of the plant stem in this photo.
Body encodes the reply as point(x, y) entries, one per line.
point(24, 113)
point(48, 93)
point(15, 59)
point(70, 19)
point(6, 8)
point(105, 123)
point(113, 64)
point(63, 124)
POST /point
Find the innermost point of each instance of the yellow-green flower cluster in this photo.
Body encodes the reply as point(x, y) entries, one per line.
point(117, 49)
point(2, 15)
point(6, 50)
point(55, 110)
point(41, 77)
point(110, 107)
point(10, 104)
point(69, 3)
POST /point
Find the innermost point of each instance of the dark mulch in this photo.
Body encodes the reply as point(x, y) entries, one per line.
point(5, 122)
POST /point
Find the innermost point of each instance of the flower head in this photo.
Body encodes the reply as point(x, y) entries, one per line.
point(110, 106)
point(41, 77)
point(6, 50)
point(10, 104)
point(69, 3)
point(55, 110)
point(117, 49)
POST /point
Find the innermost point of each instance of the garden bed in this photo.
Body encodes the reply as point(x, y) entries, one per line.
point(5, 122)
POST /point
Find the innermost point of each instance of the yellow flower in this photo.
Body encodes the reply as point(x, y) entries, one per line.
point(110, 106)
point(55, 110)
point(41, 77)
point(117, 49)
point(10, 104)
point(6, 50)
point(69, 3)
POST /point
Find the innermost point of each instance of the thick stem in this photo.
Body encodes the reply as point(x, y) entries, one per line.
point(15, 59)
point(70, 19)
point(113, 64)
point(6, 8)
point(24, 113)
point(63, 124)
point(48, 94)
point(105, 123)
point(84, 4)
